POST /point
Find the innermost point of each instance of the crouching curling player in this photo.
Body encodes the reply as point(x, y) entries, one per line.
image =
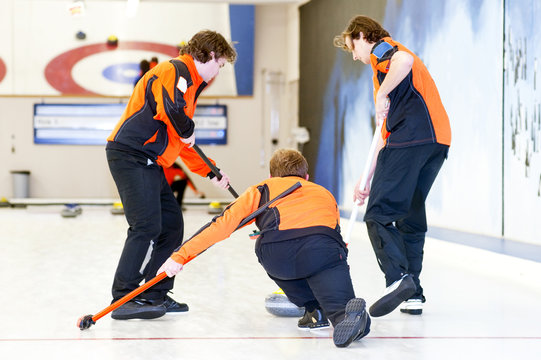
point(300, 246)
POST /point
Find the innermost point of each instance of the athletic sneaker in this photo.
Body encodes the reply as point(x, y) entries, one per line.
point(356, 324)
point(394, 295)
point(174, 307)
point(313, 320)
point(138, 309)
point(413, 306)
point(170, 304)
point(71, 210)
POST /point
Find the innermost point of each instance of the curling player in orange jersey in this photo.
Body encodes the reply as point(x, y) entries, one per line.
point(304, 255)
point(415, 140)
point(155, 129)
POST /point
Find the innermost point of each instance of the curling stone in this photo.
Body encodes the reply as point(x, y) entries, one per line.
point(112, 41)
point(71, 210)
point(4, 202)
point(215, 208)
point(80, 35)
point(117, 209)
point(278, 304)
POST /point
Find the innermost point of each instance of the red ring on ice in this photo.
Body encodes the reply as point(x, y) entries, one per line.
point(58, 71)
point(2, 70)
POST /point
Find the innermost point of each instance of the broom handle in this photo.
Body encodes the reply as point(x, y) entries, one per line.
point(213, 168)
point(129, 296)
point(163, 275)
point(364, 181)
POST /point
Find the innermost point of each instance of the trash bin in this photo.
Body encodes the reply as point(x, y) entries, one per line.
point(21, 183)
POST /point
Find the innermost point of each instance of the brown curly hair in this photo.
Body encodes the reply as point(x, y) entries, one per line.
point(371, 29)
point(288, 162)
point(206, 41)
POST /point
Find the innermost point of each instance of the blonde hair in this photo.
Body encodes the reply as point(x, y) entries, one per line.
point(371, 29)
point(288, 162)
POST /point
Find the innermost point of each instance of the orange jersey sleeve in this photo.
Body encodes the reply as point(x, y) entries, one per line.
point(194, 162)
point(221, 227)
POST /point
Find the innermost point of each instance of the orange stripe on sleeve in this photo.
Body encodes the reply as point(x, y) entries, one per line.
point(221, 227)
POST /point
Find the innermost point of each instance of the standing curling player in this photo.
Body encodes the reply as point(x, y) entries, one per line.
point(304, 254)
point(416, 136)
point(154, 130)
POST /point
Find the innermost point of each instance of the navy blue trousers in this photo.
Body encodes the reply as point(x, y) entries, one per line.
point(395, 214)
point(312, 271)
point(153, 215)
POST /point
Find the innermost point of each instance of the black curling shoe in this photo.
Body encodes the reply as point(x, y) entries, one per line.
point(313, 320)
point(138, 309)
point(356, 324)
point(395, 294)
point(171, 306)
point(174, 307)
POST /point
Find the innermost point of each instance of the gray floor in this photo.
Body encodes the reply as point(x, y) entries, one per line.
point(481, 305)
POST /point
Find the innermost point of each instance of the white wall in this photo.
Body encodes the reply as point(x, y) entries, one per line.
point(66, 171)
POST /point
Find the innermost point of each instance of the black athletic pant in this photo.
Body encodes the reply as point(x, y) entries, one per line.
point(395, 214)
point(153, 215)
point(179, 187)
point(310, 270)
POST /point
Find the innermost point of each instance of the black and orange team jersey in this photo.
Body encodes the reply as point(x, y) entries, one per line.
point(310, 209)
point(416, 114)
point(159, 113)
